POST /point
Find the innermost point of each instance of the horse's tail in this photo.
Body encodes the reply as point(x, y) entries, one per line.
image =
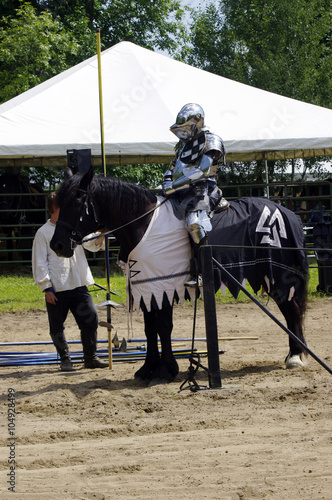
point(301, 281)
point(300, 261)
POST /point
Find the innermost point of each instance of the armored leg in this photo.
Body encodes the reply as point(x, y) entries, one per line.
point(198, 224)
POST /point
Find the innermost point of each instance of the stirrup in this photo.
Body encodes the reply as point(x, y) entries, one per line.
point(193, 282)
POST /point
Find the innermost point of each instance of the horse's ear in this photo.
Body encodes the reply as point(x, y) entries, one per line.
point(68, 173)
point(86, 179)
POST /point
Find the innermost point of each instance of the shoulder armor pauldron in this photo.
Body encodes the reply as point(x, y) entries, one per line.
point(214, 145)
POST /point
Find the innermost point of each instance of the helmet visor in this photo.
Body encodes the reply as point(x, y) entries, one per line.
point(183, 132)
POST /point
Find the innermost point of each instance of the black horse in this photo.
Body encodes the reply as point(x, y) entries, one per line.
point(264, 243)
point(22, 210)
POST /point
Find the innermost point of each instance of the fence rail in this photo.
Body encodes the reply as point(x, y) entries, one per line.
point(312, 201)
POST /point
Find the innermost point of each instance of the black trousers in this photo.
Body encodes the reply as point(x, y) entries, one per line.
point(79, 302)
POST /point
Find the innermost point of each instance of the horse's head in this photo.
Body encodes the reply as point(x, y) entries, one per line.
point(77, 216)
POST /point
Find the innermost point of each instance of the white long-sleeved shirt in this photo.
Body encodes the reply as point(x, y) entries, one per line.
point(60, 273)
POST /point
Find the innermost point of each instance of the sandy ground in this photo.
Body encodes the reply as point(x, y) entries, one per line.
point(97, 434)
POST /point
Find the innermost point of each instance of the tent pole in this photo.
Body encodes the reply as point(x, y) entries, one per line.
point(103, 159)
point(267, 177)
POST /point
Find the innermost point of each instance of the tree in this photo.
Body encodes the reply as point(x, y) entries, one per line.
point(41, 38)
point(32, 49)
point(150, 176)
point(8, 7)
point(154, 25)
point(157, 25)
point(213, 47)
point(275, 45)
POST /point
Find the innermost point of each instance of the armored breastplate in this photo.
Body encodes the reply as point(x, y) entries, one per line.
point(193, 149)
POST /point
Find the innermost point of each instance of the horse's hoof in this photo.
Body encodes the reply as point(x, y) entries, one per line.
point(158, 381)
point(295, 361)
point(144, 374)
point(161, 376)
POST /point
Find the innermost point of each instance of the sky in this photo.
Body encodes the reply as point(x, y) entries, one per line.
point(194, 3)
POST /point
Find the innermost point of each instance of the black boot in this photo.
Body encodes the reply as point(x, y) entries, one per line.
point(95, 362)
point(66, 364)
point(89, 342)
point(60, 343)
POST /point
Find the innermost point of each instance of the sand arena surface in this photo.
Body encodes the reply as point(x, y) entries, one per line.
point(98, 434)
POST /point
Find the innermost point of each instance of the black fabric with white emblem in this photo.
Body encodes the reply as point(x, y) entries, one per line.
point(276, 229)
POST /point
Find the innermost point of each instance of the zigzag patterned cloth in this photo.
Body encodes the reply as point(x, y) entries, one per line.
point(160, 263)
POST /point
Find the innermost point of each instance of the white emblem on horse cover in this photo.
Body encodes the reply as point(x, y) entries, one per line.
point(273, 225)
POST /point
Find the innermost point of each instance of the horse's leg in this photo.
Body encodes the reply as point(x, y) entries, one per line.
point(294, 319)
point(158, 321)
point(152, 358)
point(168, 368)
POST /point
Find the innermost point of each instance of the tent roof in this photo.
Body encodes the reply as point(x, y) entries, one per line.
point(142, 94)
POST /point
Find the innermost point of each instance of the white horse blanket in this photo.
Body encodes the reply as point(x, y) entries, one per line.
point(160, 263)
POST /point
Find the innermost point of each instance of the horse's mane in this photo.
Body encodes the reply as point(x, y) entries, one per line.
point(68, 190)
point(121, 193)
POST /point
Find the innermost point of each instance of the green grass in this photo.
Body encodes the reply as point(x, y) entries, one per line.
point(18, 291)
point(312, 289)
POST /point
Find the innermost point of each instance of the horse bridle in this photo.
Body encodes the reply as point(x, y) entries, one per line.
point(76, 235)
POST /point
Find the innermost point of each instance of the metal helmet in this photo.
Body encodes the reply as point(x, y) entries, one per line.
point(189, 122)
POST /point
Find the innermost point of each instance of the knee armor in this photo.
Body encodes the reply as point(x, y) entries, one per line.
point(198, 225)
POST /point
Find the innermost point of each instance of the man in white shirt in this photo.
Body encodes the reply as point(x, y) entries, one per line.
point(64, 282)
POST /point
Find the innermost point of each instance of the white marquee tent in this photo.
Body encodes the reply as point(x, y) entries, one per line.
point(142, 94)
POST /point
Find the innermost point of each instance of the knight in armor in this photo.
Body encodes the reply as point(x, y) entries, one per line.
point(190, 182)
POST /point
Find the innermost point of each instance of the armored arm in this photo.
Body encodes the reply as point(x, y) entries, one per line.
point(168, 179)
point(214, 148)
point(183, 175)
